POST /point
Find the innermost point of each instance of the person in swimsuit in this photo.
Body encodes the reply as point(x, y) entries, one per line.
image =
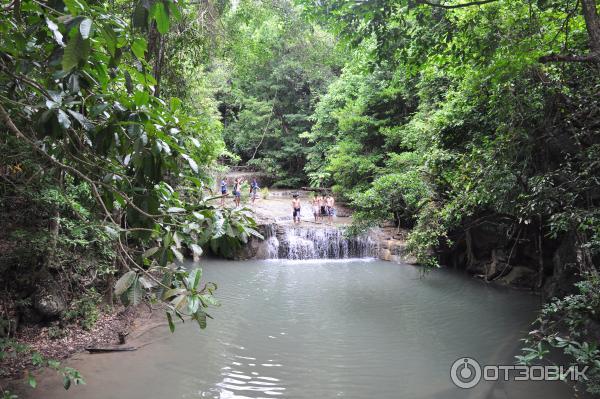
point(296, 209)
point(223, 191)
point(322, 206)
point(237, 191)
point(315, 208)
point(329, 208)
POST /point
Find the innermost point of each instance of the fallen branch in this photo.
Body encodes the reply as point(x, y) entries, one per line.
point(110, 349)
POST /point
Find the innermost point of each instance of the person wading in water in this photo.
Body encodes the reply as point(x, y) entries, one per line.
point(296, 209)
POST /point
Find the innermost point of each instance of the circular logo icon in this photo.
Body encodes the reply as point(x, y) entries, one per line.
point(465, 372)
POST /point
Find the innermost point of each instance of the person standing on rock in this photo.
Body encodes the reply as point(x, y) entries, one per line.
point(315, 207)
point(322, 207)
point(296, 209)
point(237, 191)
point(329, 208)
point(254, 189)
point(223, 191)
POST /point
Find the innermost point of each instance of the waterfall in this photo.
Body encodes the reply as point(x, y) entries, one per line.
point(272, 241)
point(291, 242)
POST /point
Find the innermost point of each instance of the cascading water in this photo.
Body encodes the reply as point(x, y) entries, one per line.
point(292, 242)
point(272, 241)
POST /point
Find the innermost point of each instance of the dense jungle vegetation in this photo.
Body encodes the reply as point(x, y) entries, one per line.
point(454, 119)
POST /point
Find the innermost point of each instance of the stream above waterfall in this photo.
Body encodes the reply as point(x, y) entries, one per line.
point(306, 329)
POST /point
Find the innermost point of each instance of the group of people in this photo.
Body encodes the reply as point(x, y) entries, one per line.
point(322, 206)
point(237, 190)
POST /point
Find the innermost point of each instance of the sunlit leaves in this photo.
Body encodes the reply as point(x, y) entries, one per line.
point(159, 13)
point(55, 31)
point(139, 47)
point(85, 28)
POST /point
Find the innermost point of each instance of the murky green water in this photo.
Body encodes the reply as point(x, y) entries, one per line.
point(324, 329)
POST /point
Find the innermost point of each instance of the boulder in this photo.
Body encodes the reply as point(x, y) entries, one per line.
point(47, 301)
point(521, 277)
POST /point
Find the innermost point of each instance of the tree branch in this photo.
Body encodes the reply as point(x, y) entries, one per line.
point(589, 58)
point(452, 6)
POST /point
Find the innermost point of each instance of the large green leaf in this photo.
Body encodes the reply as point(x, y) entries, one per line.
point(135, 294)
point(77, 50)
point(160, 15)
point(124, 282)
point(139, 47)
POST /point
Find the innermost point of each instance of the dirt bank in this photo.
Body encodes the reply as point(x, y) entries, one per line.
point(133, 321)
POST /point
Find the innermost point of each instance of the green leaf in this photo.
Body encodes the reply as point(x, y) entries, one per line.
point(124, 282)
point(139, 47)
point(135, 292)
point(171, 324)
point(31, 380)
point(160, 15)
point(63, 119)
point(196, 249)
point(193, 304)
point(209, 300)
point(173, 292)
point(148, 253)
point(141, 98)
point(194, 277)
point(76, 6)
point(85, 28)
point(83, 121)
point(147, 284)
point(200, 317)
point(110, 38)
point(191, 162)
point(76, 51)
point(140, 15)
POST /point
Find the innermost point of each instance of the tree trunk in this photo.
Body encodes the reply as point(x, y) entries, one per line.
point(592, 23)
point(54, 227)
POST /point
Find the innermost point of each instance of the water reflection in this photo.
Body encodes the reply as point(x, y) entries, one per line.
point(238, 384)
